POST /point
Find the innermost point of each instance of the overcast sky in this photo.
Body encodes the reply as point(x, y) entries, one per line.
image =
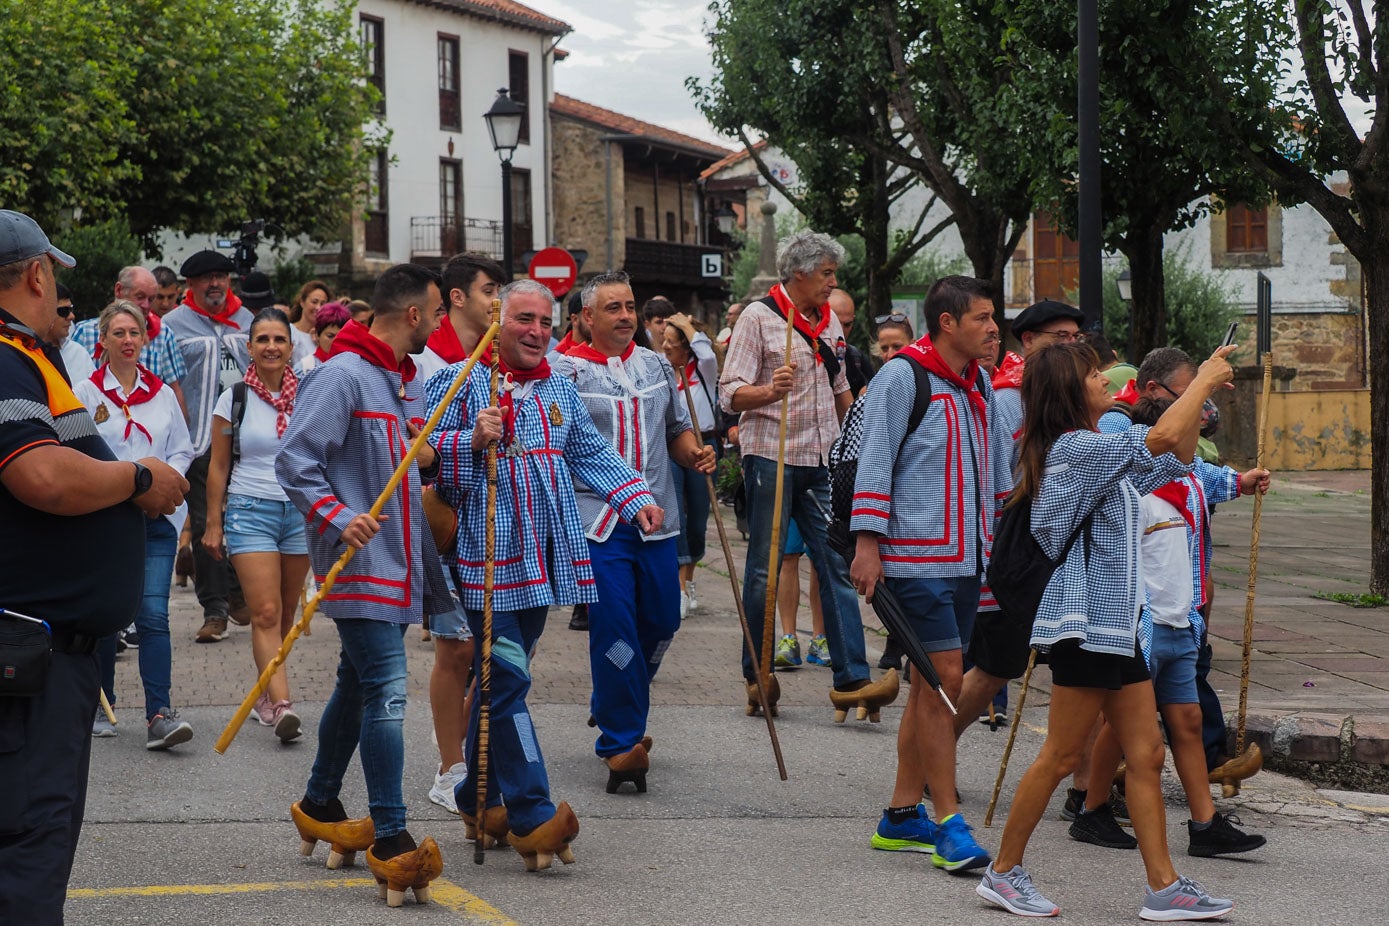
point(633, 56)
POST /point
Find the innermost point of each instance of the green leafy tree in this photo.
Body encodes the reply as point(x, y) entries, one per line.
point(807, 76)
point(1329, 124)
point(1163, 156)
point(102, 249)
point(187, 115)
point(1199, 307)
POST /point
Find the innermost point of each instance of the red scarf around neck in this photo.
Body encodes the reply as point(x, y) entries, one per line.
point(444, 342)
point(1129, 394)
point(509, 378)
point(320, 354)
point(284, 405)
point(567, 343)
point(356, 338)
point(788, 309)
point(690, 377)
point(1008, 373)
point(146, 386)
point(925, 353)
point(590, 353)
point(1175, 494)
point(224, 317)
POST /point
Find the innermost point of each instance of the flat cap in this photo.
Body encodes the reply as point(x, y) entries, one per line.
point(205, 262)
point(1048, 310)
point(256, 291)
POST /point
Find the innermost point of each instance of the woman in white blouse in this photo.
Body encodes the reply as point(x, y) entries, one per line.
point(139, 417)
point(263, 531)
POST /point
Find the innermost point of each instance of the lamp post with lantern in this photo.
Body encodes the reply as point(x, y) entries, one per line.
point(504, 125)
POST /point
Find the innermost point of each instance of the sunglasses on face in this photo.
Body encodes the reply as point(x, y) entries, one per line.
point(65, 311)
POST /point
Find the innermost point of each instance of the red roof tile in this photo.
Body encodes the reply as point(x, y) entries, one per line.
point(627, 125)
point(508, 11)
point(729, 161)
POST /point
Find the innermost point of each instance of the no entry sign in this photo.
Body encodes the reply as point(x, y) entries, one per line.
point(555, 269)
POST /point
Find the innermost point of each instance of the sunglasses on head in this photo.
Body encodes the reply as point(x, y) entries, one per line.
point(897, 317)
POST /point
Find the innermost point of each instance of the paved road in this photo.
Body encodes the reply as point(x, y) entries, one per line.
point(193, 837)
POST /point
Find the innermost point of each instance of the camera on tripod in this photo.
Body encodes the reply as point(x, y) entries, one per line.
point(244, 248)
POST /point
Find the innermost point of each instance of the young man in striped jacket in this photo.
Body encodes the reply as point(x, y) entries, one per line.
point(924, 507)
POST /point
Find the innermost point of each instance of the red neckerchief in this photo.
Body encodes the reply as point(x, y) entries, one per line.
point(588, 352)
point(284, 405)
point(1129, 394)
point(1008, 374)
point(356, 338)
point(691, 369)
point(444, 342)
point(509, 377)
point(567, 343)
point(1175, 494)
point(925, 353)
point(223, 317)
point(788, 308)
point(320, 354)
point(146, 385)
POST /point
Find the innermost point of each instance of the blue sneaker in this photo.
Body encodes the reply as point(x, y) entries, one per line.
point(915, 835)
point(819, 654)
point(956, 849)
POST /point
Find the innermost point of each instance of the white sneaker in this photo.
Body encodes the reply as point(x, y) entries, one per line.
point(444, 783)
point(684, 605)
point(690, 595)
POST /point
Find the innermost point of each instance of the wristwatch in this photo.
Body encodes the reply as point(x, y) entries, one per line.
point(143, 480)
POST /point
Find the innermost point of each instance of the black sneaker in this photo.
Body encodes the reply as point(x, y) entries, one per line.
point(1119, 806)
point(578, 620)
point(1075, 803)
point(1098, 828)
point(1221, 838)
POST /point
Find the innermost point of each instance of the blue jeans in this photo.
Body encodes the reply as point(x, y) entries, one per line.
point(630, 627)
point(807, 500)
point(516, 770)
point(692, 490)
point(367, 707)
point(152, 620)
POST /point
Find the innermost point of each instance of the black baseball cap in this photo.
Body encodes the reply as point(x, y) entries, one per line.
point(1048, 310)
point(21, 238)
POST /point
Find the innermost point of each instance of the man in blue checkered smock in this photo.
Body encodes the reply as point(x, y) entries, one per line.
point(545, 437)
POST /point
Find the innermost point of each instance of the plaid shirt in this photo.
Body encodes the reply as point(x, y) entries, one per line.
point(160, 356)
point(757, 349)
point(1094, 595)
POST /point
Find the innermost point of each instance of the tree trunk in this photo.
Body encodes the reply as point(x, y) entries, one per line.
point(877, 242)
point(1376, 272)
point(1148, 312)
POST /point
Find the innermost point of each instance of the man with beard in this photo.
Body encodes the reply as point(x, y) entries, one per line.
point(636, 404)
point(212, 329)
point(351, 426)
point(543, 434)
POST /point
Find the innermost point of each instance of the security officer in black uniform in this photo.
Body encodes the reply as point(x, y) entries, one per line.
point(63, 498)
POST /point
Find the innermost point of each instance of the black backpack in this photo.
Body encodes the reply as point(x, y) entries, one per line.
point(1019, 570)
point(844, 454)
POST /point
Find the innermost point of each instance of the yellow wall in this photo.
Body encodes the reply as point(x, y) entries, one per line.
point(1327, 429)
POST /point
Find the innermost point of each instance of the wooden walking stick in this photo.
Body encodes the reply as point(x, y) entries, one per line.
point(774, 548)
point(1012, 735)
point(733, 580)
point(106, 705)
point(489, 571)
point(311, 607)
point(1230, 785)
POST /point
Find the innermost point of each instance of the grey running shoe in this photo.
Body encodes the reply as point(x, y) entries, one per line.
point(166, 729)
point(101, 726)
point(1184, 900)
point(1015, 892)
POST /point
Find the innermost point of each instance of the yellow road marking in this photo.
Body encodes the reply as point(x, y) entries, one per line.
point(442, 891)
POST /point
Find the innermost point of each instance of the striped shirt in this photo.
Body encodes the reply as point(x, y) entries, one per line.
point(1094, 596)
point(758, 348)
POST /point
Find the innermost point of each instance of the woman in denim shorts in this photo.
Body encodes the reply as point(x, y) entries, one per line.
point(263, 531)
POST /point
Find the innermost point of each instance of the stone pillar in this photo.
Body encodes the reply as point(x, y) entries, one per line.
point(766, 276)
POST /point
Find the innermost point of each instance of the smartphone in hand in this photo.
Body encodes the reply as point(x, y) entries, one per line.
point(1230, 334)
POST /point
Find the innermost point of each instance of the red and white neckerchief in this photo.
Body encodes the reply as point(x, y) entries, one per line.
point(284, 404)
point(147, 385)
point(691, 375)
point(788, 309)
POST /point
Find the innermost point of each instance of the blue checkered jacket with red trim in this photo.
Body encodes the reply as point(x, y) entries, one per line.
point(934, 503)
point(542, 554)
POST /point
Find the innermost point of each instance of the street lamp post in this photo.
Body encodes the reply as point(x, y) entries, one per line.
point(504, 125)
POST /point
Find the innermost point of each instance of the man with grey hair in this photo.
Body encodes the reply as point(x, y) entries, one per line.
point(757, 374)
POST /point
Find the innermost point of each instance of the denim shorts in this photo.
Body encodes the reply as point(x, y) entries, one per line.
point(263, 525)
point(795, 544)
point(453, 625)
point(1173, 665)
point(941, 611)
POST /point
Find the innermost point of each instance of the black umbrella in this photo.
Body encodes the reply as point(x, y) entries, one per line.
point(889, 611)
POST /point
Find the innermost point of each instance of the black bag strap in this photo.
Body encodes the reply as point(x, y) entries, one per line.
point(828, 359)
point(1082, 528)
point(238, 413)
